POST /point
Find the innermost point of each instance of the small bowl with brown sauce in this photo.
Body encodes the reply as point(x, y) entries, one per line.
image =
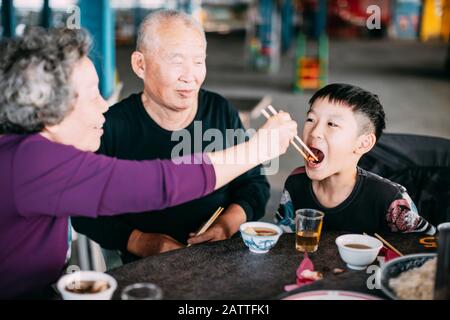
point(87, 285)
point(260, 237)
point(357, 250)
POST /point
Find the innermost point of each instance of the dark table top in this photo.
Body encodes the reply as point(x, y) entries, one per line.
point(228, 270)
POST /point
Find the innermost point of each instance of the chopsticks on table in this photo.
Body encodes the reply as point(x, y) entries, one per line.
point(209, 222)
point(387, 244)
point(311, 154)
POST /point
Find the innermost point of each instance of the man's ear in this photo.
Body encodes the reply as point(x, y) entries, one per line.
point(365, 143)
point(138, 64)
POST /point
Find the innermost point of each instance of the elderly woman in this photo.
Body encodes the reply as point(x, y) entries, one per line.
point(50, 124)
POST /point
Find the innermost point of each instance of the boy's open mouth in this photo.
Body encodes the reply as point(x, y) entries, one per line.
point(319, 155)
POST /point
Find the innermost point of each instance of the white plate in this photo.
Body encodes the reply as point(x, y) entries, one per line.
point(331, 295)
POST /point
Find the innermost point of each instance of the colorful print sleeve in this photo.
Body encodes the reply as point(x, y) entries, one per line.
point(403, 216)
point(285, 216)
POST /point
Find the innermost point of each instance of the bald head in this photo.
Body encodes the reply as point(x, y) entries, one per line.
point(155, 23)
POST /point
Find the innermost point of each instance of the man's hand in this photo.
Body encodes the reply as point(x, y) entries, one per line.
point(147, 244)
point(225, 226)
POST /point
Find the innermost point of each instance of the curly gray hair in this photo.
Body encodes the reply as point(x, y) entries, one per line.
point(35, 70)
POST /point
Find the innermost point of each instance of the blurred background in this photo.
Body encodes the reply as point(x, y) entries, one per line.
point(280, 52)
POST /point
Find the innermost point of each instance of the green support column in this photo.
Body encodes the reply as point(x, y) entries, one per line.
point(287, 24)
point(98, 18)
point(321, 19)
point(46, 15)
point(8, 18)
point(269, 36)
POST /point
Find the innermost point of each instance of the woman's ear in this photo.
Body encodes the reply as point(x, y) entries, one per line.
point(138, 64)
point(365, 143)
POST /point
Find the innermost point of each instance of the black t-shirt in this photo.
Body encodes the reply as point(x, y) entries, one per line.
point(375, 204)
point(130, 133)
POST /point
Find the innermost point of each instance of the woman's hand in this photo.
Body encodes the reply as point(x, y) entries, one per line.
point(274, 136)
point(271, 140)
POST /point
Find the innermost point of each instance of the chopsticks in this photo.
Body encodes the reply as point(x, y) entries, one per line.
point(387, 244)
point(274, 112)
point(209, 222)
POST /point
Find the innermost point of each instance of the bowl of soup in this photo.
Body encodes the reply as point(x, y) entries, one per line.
point(86, 285)
point(357, 250)
point(260, 237)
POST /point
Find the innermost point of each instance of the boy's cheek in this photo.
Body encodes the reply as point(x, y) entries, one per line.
point(337, 160)
point(341, 148)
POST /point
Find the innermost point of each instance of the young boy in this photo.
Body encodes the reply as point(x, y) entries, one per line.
point(343, 123)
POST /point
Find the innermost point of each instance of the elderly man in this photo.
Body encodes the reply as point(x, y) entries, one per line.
point(170, 59)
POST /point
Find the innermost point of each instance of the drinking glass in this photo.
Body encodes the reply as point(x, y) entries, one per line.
point(308, 224)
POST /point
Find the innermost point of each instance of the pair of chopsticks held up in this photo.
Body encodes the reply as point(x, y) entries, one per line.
point(311, 155)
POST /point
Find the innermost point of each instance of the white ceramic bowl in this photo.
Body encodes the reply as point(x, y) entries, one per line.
point(358, 259)
point(257, 243)
point(86, 276)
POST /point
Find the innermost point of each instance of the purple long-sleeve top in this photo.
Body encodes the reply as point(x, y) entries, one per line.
point(42, 183)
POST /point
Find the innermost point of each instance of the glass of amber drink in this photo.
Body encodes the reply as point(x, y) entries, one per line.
point(308, 224)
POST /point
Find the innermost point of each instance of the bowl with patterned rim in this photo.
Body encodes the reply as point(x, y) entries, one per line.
point(260, 237)
point(395, 267)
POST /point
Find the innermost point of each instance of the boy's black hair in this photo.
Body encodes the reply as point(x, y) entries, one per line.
point(360, 100)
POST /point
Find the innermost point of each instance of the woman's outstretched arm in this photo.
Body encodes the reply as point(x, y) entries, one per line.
point(59, 180)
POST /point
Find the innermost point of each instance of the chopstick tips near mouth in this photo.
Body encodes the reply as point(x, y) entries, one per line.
point(296, 137)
